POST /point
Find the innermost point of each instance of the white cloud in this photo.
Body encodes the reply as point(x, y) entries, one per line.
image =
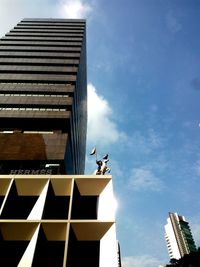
point(12, 11)
point(140, 261)
point(102, 129)
point(144, 179)
point(75, 9)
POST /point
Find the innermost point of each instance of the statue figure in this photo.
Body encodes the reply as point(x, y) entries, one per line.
point(102, 168)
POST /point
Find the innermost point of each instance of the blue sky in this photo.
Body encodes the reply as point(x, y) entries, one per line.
point(144, 93)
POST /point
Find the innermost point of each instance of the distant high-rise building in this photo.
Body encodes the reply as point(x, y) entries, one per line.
point(50, 213)
point(178, 236)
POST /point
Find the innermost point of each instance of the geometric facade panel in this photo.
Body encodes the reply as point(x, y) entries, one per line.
point(41, 216)
point(90, 230)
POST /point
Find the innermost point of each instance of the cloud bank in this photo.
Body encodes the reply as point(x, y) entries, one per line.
point(75, 9)
point(140, 261)
point(102, 129)
point(12, 11)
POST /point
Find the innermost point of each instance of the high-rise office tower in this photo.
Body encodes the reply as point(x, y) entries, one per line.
point(178, 236)
point(50, 215)
point(43, 97)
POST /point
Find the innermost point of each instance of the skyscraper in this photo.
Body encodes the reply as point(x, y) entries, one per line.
point(50, 215)
point(178, 236)
point(43, 97)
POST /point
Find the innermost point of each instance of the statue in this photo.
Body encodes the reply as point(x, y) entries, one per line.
point(102, 168)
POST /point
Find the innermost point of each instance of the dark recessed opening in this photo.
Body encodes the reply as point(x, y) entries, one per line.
point(84, 207)
point(1, 200)
point(12, 251)
point(56, 207)
point(82, 253)
point(17, 207)
point(48, 253)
